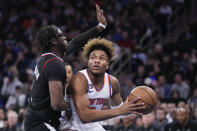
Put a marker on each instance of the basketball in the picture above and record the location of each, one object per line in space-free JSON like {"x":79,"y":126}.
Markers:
{"x":148,"y":97}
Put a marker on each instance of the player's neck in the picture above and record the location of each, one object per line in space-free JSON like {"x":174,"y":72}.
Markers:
{"x":96,"y":78}
{"x":58,"y":53}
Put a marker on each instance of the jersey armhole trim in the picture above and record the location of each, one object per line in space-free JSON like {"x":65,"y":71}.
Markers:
{"x":48,"y":62}
{"x":110,"y":88}
{"x":85,"y":78}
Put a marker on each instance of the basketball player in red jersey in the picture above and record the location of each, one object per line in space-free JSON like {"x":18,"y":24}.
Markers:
{"x":47,"y":99}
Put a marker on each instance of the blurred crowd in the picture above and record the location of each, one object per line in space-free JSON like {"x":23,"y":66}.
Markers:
{"x":169,"y":68}
{"x":166,"y":117}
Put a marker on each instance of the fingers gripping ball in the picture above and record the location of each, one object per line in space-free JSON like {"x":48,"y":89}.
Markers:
{"x":148,"y":97}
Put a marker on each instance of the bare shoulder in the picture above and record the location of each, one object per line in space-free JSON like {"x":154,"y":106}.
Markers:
{"x":78,"y":77}
{"x":113,"y":79}
{"x":78,"y":83}
{"x":115,"y":83}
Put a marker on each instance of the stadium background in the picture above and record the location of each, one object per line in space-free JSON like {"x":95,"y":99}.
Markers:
{"x":156,"y":45}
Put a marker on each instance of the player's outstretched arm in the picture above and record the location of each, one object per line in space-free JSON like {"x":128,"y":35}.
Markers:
{"x":82,"y":39}
{"x":79,"y":87}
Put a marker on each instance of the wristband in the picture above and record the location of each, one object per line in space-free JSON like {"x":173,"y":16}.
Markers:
{"x":118,"y":106}
{"x":102,"y":25}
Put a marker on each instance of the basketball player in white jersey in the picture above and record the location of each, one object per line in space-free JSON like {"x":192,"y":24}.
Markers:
{"x":90,"y":88}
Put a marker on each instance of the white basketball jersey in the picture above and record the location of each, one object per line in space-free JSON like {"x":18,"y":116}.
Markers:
{"x":97,"y":98}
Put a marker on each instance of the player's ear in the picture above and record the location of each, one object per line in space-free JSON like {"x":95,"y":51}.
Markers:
{"x":54,"y":42}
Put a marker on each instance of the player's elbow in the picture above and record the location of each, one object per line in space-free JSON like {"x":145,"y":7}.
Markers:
{"x":84,"y":120}
{"x":84,"y":117}
{"x":55,"y":106}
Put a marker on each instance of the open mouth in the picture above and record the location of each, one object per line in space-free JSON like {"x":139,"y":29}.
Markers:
{"x":96,"y":67}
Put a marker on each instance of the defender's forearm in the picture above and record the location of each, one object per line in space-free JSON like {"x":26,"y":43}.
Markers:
{"x":82,"y":39}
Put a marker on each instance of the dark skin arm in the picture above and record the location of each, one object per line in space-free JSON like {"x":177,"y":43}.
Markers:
{"x":79,"y":87}
{"x":57,"y":99}
{"x":81,"y":39}
{"x":115,"y":98}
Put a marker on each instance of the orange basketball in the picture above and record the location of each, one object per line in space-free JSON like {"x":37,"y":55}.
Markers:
{"x":148,"y":97}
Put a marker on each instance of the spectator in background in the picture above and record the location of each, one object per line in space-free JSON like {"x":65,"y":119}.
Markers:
{"x":127,"y":88}
{"x":12,"y":121}
{"x":139,"y":55}
{"x":27,"y":86}
{"x":2,"y":119}
{"x":8,"y":59}
{"x":165,"y":65}
{"x":140,"y":76}
{"x":184,"y":64}
{"x":126,"y":41}
{"x":161,"y":120}
{"x":17,"y":100}
{"x":10,"y":83}
{"x":181,"y":86}
{"x":193,"y":100}
{"x":2,"y":56}
{"x":139,"y":124}
{"x":164,"y":87}
{"x":183,"y":122}
{"x":156,"y":72}
{"x":190,"y":76}
{"x":165,"y":9}
{"x":193,"y":85}
{"x":164,"y":106}
{"x":171,"y":108}
{"x":195,"y":115}
{"x":181,"y":104}
{"x":158,"y":48}
{"x":127,"y":124}
{"x":175,"y":94}
{"x":118,"y":34}
{"x":148,"y":122}
{"x":193,"y":58}
{"x":21,"y":62}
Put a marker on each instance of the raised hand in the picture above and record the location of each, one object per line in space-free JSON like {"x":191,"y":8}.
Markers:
{"x":100,"y":17}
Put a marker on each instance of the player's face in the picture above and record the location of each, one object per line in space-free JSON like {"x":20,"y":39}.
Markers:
{"x":98,"y":62}
{"x":69,"y":72}
{"x":62,"y":42}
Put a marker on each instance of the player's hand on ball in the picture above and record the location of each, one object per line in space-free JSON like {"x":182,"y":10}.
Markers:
{"x":132,"y":107}
{"x":100,"y":17}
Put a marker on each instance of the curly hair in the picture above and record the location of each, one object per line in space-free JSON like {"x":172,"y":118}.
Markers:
{"x":44,"y":36}
{"x":99,"y":44}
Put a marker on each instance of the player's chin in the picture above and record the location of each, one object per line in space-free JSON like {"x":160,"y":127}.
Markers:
{"x":96,"y":71}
